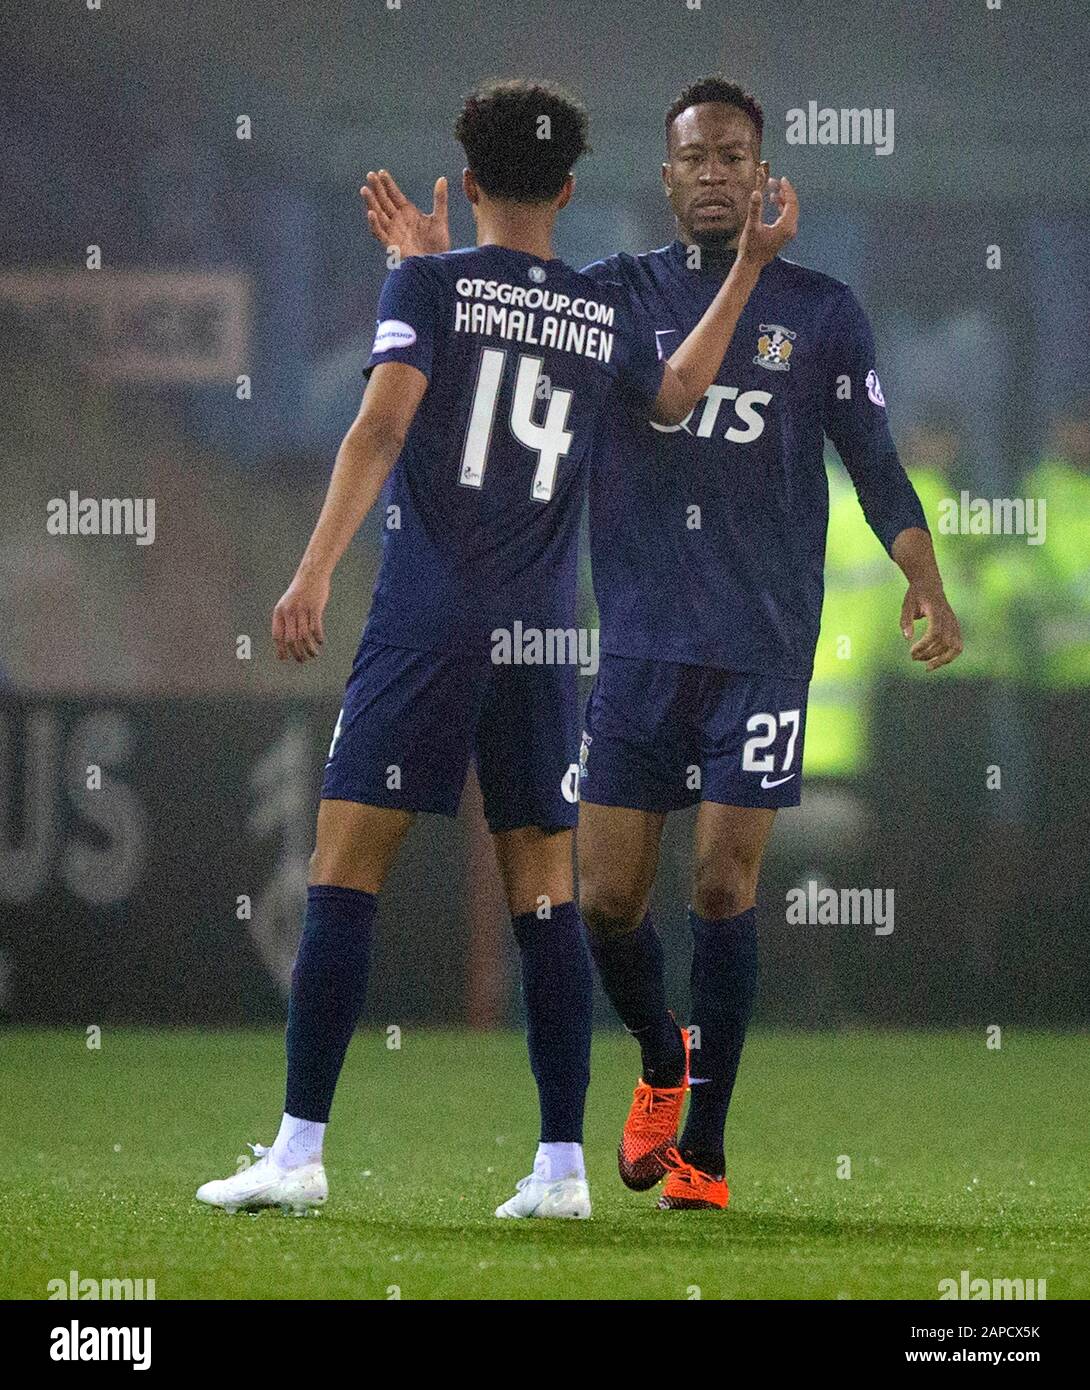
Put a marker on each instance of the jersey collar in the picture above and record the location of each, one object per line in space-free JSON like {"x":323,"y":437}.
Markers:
{"x":716,"y":263}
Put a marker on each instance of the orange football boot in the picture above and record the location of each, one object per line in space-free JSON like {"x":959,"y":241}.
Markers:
{"x":688,"y":1189}
{"x":651,"y":1129}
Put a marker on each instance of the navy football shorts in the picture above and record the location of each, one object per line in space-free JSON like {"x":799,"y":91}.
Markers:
{"x":411,"y":721}
{"x":660,"y":735}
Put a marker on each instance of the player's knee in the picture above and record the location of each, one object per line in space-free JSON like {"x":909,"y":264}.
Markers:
{"x":323,"y":866}
{"x":331,"y":865}
{"x":725,"y":886}
{"x":609,"y":911}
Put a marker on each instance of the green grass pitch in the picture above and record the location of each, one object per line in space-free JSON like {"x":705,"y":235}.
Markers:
{"x":961,"y":1158}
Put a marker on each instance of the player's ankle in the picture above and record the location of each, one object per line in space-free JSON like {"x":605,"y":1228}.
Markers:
{"x":298,"y":1143}
{"x":710,"y":1161}
{"x":556,"y":1161}
{"x":662,"y":1057}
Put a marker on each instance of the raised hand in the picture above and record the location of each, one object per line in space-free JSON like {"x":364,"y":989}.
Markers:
{"x":762,"y":241}
{"x":398,"y":223}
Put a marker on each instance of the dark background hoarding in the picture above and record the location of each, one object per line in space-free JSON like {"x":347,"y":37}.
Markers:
{"x":171,"y":893}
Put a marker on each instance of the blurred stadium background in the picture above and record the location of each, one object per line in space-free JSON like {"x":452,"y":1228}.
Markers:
{"x":227,"y":257}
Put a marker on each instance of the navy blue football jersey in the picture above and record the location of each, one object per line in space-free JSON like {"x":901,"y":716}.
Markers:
{"x":482,"y":508}
{"x":708,"y":538}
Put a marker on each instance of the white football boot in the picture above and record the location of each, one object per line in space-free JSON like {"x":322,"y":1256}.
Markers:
{"x":265,"y":1184}
{"x":563,"y":1197}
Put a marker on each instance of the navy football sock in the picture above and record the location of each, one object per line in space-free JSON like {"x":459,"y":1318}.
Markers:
{"x":558,"y":986}
{"x":724,"y":985}
{"x":631,"y":968}
{"x":328,"y":989}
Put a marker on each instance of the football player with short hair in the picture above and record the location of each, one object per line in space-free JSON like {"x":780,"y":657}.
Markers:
{"x":707,"y":549}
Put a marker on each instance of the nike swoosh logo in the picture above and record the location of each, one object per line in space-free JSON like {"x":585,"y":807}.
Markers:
{"x":767,"y":785}
{"x":699,"y":1080}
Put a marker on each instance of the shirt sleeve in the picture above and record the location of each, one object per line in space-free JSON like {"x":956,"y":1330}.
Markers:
{"x":855,"y":420}
{"x":407,"y":314}
{"x":641,"y":368}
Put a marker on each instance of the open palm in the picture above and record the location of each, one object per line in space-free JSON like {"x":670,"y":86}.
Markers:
{"x":761,"y":241}
{"x":398,"y":223}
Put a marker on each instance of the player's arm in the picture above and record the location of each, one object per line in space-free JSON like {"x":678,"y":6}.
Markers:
{"x":367,"y":454}
{"x":856,"y":422}
{"x":695,"y":365}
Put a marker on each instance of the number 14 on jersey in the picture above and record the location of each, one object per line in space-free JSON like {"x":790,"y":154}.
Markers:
{"x":549,"y":441}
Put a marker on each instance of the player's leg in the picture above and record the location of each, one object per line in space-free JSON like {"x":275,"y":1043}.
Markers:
{"x":354,"y":850}
{"x":635,"y":760}
{"x":355,"y":846}
{"x":618,"y":859}
{"x":538,"y":879}
{"x":729,"y":843}
{"x":753,"y":731}
{"x":400,"y":746}
{"x":557,"y":988}
{"x":526,"y":745}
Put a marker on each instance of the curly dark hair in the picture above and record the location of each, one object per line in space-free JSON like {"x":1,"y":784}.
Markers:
{"x":716,"y":88}
{"x":522,"y":138}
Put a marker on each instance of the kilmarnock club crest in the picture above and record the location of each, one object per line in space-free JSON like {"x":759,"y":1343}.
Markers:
{"x":774,"y":347}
